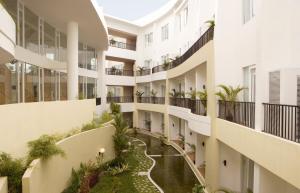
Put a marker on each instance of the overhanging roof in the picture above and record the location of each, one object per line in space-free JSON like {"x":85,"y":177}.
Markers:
{"x":92,"y":26}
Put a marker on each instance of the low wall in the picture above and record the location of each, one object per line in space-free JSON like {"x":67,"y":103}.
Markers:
{"x":3,"y":185}
{"x":28,"y":121}
{"x":52,"y":176}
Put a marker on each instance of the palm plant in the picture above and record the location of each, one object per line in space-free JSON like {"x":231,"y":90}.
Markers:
{"x":203,"y":98}
{"x":153,"y":93}
{"x":140,"y":69}
{"x":166,"y":64}
{"x":120,"y":138}
{"x":139,"y":94}
{"x":115,"y":108}
{"x":229,"y":95}
{"x":192,"y":94}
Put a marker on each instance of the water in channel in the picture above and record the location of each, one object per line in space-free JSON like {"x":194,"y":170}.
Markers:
{"x":171,"y":172}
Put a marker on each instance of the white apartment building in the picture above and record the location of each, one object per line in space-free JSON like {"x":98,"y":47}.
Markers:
{"x":154,"y":67}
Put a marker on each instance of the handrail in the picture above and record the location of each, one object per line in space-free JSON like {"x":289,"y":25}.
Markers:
{"x":239,"y":112}
{"x":122,"y":45}
{"x":143,"y":72}
{"x":120,"y":99}
{"x":282,"y":121}
{"x":196,"y":106}
{"x":153,"y":100}
{"x":203,"y":40}
{"x":118,"y":72}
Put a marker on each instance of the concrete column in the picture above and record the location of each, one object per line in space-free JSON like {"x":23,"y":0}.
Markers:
{"x":101,"y":83}
{"x":72,"y":60}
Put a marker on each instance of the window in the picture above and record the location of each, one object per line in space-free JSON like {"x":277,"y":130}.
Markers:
{"x":9,"y":87}
{"x":298,"y":90}
{"x":50,"y":85}
{"x":248,"y":10}
{"x":249,"y":83}
{"x":185,"y":15}
{"x":274,"y":87}
{"x":32,"y":82}
{"x":147,"y":64}
{"x":165,"y":32}
{"x":179,"y":22}
{"x":63,"y":86}
{"x":247,"y":174}
{"x":148,"y":39}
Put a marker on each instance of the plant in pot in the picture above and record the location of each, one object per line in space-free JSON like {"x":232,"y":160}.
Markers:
{"x":153,"y":96}
{"x":112,"y":41}
{"x":192,"y":146}
{"x":198,"y":188}
{"x":166,"y":64}
{"x":203,"y":98}
{"x":229,"y":95}
{"x":140,"y":69}
{"x":113,"y":70}
{"x":139,"y":95}
{"x":192,"y":94}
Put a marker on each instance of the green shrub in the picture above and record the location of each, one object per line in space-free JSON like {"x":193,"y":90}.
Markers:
{"x":115,"y":108}
{"x":89,"y":126}
{"x":43,"y":148}
{"x":75,"y":181}
{"x":14,"y":170}
{"x":198,"y":188}
{"x":118,"y":169}
{"x":120,"y":138}
{"x":104,"y":118}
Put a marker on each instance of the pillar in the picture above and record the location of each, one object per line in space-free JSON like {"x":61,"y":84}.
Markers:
{"x":72,"y":60}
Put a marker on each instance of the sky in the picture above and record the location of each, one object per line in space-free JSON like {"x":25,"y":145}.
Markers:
{"x":130,"y":9}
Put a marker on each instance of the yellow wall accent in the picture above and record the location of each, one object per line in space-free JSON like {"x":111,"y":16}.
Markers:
{"x":3,"y":185}
{"x":28,"y":121}
{"x":52,"y":176}
{"x":282,"y":155}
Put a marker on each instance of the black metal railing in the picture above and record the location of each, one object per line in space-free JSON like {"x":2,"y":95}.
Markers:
{"x":197,"y":106}
{"x":242,"y":113}
{"x":153,"y":100}
{"x":159,"y":68}
{"x":204,"y":39}
{"x":98,"y":101}
{"x":120,"y":99}
{"x":282,"y":121}
{"x":118,"y":72}
{"x":143,"y":72}
{"x":122,"y":45}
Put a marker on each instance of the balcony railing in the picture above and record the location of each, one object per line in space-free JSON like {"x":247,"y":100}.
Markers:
{"x":242,"y":113}
{"x":197,"y":106}
{"x":118,"y":72}
{"x":143,"y":72}
{"x":282,"y":121}
{"x":204,"y":39}
{"x":153,"y":100}
{"x":122,"y":45}
{"x":120,"y":99}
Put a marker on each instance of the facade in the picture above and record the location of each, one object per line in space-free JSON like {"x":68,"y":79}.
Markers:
{"x":57,"y":70}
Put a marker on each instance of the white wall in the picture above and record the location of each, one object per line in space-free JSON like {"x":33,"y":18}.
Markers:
{"x":230,"y":175}
{"x":28,"y":121}
{"x":3,"y":185}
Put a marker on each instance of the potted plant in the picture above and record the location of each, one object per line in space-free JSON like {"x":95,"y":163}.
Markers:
{"x":166,"y":64}
{"x":229,"y":95}
{"x":141,"y":70}
{"x":192,"y":146}
{"x":139,"y":95}
{"x":203,"y":98}
{"x":198,"y":188}
{"x":192,"y":94}
{"x":112,"y":41}
{"x":153,"y":96}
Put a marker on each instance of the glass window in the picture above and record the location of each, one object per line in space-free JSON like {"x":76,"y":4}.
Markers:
{"x":31,"y":31}
{"x":165,"y":32}
{"x":91,"y":58}
{"x":63,"y":47}
{"x":20,"y":25}
{"x":248,"y":10}
{"x":148,"y":39}
{"x":9,"y":83}
{"x":91,"y":87}
{"x":31,"y":83}
{"x":81,"y":87}
{"x":81,"y":56}
{"x":63,"y":86}
{"x":49,"y":41}
{"x":185,"y":15}
{"x":50,"y":86}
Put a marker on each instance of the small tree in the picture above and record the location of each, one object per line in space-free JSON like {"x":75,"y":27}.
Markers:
{"x":203,"y":98}
{"x":120,"y":138}
{"x":115,"y":108}
{"x":139,"y":94}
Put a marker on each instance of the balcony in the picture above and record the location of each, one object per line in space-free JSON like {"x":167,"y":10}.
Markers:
{"x":120,"y":99}
{"x":204,"y":39}
{"x":143,"y":72}
{"x":196,"y":106}
{"x":118,"y":72}
{"x":242,"y":113}
{"x":151,"y":100}
{"x":282,"y":121}
{"x":122,"y":45}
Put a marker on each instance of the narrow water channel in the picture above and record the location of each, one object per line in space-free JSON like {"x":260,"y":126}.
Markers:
{"x":171,"y":172}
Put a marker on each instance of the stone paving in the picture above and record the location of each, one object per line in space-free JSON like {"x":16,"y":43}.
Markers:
{"x":141,"y":180}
